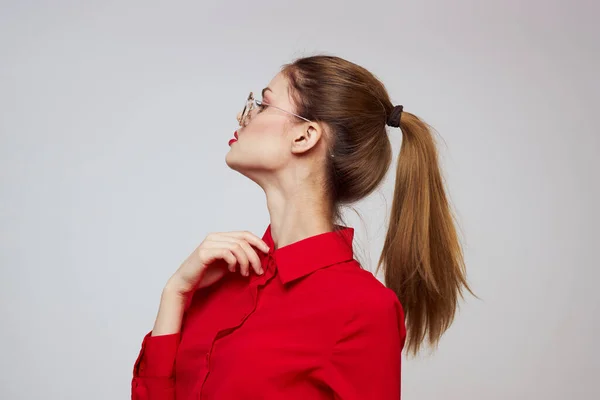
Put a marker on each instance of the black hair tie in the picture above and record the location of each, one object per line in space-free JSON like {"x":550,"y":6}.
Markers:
{"x":394,"y":118}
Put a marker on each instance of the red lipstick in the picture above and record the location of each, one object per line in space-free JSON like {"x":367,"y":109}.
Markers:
{"x":235,"y":134}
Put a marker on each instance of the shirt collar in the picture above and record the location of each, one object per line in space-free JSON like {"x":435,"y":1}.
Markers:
{"x":305,"y":256}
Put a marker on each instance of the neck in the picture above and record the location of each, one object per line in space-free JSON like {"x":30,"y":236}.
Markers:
{"x":296,"y":214}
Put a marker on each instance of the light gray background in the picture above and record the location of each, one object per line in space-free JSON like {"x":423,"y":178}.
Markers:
{"x":114,"y":122}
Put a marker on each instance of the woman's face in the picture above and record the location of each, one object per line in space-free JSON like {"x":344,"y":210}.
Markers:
{"x":266,"y":142}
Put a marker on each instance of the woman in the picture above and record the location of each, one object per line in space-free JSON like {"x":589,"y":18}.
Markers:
{"x":292,"y":315}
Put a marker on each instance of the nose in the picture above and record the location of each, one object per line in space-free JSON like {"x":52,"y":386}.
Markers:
{"x":239,"y":117}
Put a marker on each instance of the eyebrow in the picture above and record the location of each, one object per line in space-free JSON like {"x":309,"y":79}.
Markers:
{"x":265,"y":90}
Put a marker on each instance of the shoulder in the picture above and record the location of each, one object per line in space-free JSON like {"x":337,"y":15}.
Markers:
{"x":350,"y":279}
{"x":363,"y":306}
{"x":358,"y":291}
{"x":349,"y":301}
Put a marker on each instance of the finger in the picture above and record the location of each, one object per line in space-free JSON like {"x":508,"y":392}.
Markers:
{"x":250,"y":238}
{"x":230,"y":259}
{"x":240,"y":255}
{"x":251,"y":254}
{"x":211,"y":253}
{"x":236,"y":250}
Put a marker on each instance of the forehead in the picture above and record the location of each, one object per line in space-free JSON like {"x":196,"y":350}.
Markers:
{"x":279,"y":88}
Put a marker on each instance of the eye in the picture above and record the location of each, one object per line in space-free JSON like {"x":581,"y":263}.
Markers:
{"x":261,"y":106}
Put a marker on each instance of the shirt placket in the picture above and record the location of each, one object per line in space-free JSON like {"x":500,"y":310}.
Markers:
{"x":255,"y":285}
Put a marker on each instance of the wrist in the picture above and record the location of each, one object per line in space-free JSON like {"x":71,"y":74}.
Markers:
{"x":170,"y":312}
{"x":173,"y":292}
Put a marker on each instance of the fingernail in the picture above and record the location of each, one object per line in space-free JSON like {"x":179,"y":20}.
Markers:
{"x":260,"y":271}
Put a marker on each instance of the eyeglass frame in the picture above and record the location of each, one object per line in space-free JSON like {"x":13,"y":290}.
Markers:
{"x":251,"y":102}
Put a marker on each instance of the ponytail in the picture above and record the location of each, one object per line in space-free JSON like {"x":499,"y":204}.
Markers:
{"x":422,"y":257}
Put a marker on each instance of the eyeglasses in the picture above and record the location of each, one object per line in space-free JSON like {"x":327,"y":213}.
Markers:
{"x":251,"y":103}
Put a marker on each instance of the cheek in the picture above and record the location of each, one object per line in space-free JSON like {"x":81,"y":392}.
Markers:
{"x":262,"y":146}
{"x":268,"y":148}
{"x":266,"y":137}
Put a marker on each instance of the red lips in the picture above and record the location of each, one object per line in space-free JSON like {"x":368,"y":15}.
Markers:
{"x":235,"y":134}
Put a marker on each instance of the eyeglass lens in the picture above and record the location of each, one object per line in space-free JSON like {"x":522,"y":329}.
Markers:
{"x":249,"y":106}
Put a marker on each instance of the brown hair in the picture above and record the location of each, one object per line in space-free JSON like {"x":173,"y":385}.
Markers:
{"x":422,"y":258}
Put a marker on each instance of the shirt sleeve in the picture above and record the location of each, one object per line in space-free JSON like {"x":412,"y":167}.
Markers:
{"x":366,"y":360}
{"x":154,"y":369}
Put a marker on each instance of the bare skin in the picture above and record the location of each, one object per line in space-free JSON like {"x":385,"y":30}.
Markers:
{"x":207,"y":264}
{"x":285,"y":156}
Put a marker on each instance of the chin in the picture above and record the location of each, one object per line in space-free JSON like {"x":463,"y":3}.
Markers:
{"x":230,"y":160}
{"x":234,"y":162}
{"x":250,"y":170}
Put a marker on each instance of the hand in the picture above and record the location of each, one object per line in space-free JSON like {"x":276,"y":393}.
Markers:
{"x":211,"y":259}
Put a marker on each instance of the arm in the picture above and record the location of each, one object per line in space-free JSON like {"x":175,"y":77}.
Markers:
{"x":153,"y":373}
{"x":365,"y":361}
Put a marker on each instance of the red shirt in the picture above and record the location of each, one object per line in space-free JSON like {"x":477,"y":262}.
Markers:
{"x":315,"y":325}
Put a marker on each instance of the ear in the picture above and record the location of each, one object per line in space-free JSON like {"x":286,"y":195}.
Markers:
{"x":307,"y":136}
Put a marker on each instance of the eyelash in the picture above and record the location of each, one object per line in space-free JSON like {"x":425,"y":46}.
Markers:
{"x":261,"y":107}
